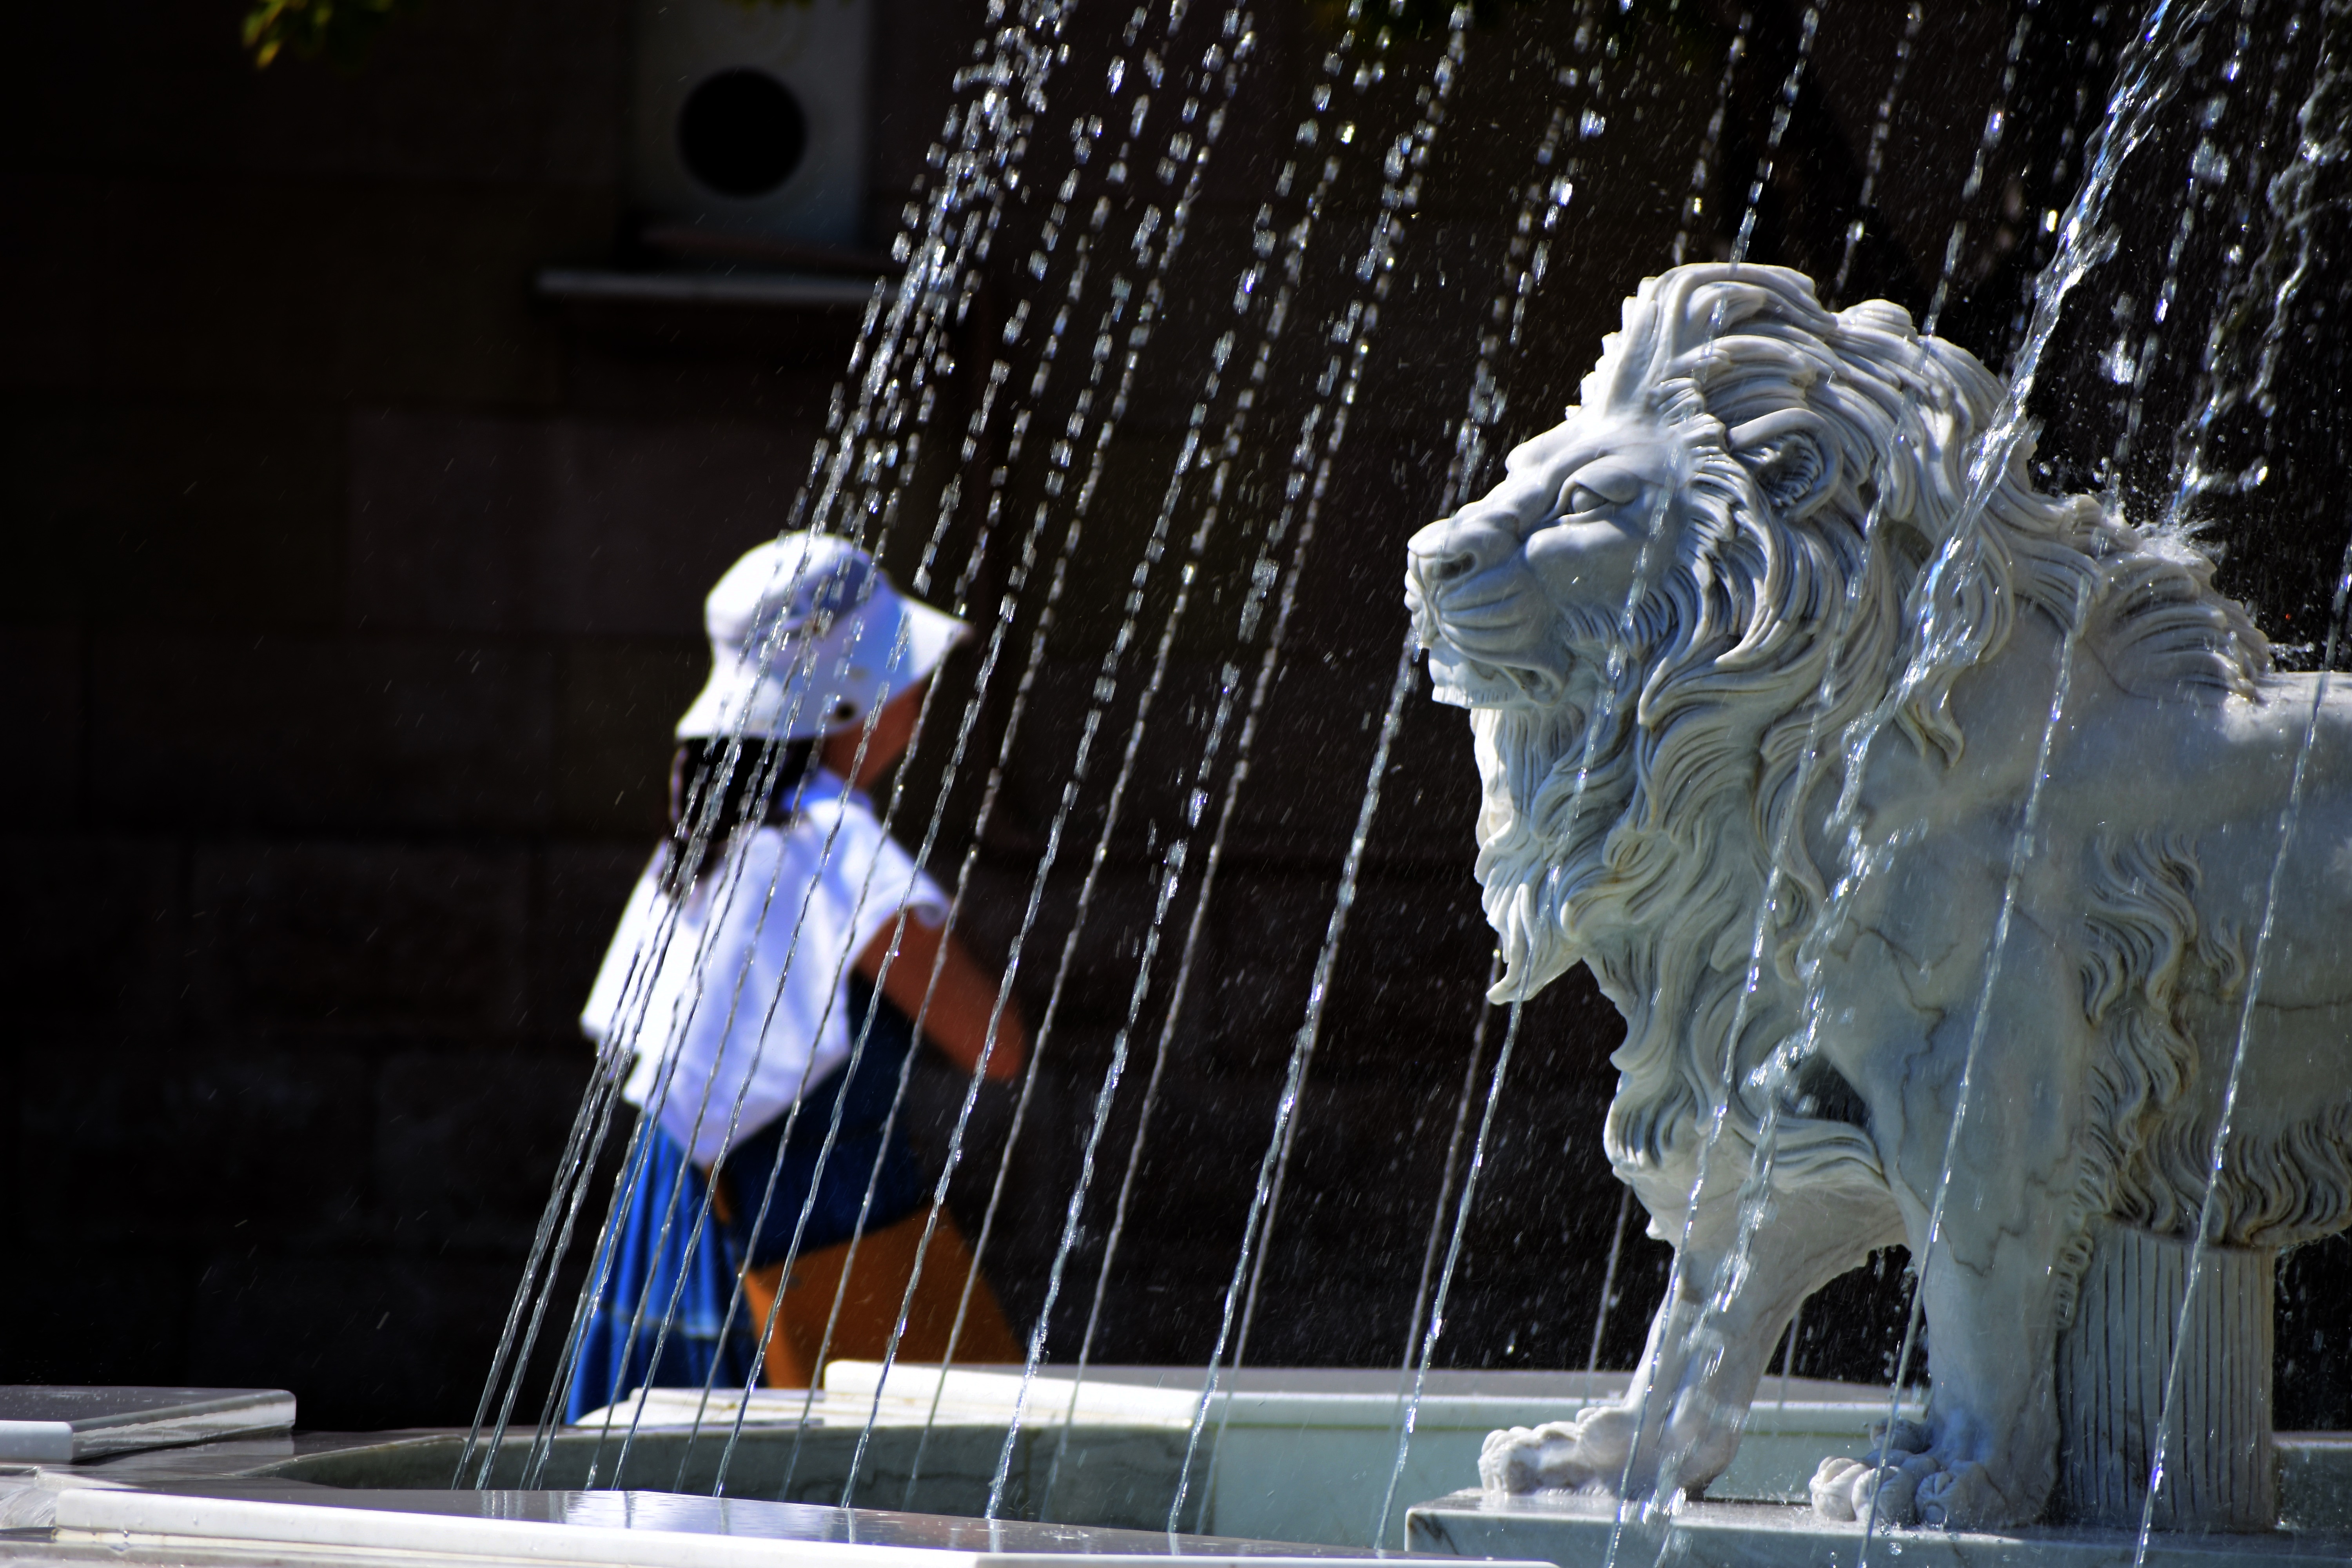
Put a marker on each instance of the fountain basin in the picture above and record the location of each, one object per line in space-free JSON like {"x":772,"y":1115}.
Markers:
{"x":1305,"y":1464}
{"x":1305,"y":1453}
{"x":1573,"y":1531}
{"x":625,"y":1529}
{"x":1300,"y":1454}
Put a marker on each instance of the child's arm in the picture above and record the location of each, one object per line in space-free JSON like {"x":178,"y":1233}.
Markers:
{"x":958,"y":1021}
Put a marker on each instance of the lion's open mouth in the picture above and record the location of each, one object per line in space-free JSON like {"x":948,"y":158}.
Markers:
{"x":1481,"y":653}
{"x":1464,"y":680}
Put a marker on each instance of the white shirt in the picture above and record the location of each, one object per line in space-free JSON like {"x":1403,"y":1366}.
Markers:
{"x":750,"y":994}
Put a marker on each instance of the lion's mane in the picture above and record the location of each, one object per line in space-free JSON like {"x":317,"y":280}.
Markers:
{"x":1636,"y":831}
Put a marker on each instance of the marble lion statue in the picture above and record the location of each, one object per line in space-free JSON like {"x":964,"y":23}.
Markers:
{"x":1745,"y":568}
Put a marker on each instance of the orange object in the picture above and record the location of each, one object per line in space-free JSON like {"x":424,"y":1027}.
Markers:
{"x":877,"y":1285}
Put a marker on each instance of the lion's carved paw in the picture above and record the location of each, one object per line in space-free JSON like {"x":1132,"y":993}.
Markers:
{"x":1888,"y":1486}
{"x":1558,"y":1456}
{"x":1845,"y":1489}
{"x":1960,"y":1497}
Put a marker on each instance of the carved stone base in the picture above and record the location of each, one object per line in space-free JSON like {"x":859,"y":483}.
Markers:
{"x":2220,"y":1472}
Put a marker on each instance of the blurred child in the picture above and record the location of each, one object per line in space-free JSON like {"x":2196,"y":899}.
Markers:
{"x":743,"y":974}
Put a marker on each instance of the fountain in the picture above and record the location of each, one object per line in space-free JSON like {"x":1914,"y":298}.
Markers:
{"x":1998,"y":955}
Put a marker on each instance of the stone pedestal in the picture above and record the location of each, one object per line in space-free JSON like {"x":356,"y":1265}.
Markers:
{"x":1578,"y":1531}
{"x":2220,"y":1472}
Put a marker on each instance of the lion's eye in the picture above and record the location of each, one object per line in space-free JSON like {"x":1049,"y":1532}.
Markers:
{"x":1582,"y":498}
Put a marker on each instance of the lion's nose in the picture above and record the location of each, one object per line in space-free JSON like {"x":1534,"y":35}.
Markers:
{"x":1459,"y":547}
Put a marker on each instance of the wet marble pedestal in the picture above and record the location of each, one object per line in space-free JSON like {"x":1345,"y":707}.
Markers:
{"x":1574,"y":1531}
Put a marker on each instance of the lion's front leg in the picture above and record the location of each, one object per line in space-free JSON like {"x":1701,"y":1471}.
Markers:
{"x":1987,"y":1454}
{"x":1599,"y":1449}
{"x":1678,"y":1425}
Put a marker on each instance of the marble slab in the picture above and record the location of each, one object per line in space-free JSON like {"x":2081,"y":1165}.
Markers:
{"x":52,"y":1424}
{"x":623,"y":1530}
{"x":1573,"y":1531}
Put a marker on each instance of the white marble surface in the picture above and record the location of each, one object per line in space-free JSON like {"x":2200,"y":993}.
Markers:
{"x":624,"y":1530}
{"x":1307,"y":1455}
{"x":56,"y":1424}
{"x":1308,"y":1452}
{"x":1574,"y":1532}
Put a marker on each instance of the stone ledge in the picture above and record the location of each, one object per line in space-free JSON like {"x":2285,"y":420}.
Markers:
{"x":1574,"y":1531}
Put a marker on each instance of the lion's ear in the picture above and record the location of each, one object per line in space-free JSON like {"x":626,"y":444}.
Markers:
{"x":1790,"y":465}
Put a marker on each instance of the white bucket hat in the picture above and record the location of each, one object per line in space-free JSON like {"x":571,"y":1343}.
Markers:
{"x":807,"y":635}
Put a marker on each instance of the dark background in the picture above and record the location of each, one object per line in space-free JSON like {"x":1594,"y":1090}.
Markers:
{"x":352,"y":589}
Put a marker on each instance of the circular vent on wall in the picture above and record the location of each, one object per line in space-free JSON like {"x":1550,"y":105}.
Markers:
{"x":742,"y":132}
{"x":751,"y":119}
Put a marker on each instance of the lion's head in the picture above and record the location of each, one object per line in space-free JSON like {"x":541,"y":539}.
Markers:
{"x":1741,"y":541}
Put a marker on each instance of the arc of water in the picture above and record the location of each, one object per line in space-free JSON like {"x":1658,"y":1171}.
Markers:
{"x":1524,"y":262}
{"x":1875,"y":160}
{"x":1400,"y":196}
{"x":1059,"y":459}
{"x":894,"y":409}
{"x":1178,"y":849}
{"x":922,"y":285}
{"x":1262,"y":578}
{"x":549,"y":1242}
{"x":1301,"y":1053}
{"x":552,"y":1237}
{"x":1703,"y":166}
{"x":2142,"y":86}
{"x":1609,"y":1279}
{"x":1445,"y":1278}
{"x":1111,"y":814}
{"x":1345,"y":371}
{"x":2291,"y":200}
{"x":1462,"y":1101}
{"x":1263,"y":573}
{"x":1221,"y":58}
{"x":634,"y":1015}
{"x":1236,"y":28}
{"x":735,"y":1113}
{"x":995,"y":383}
{"x":1259,"y":580}
{"x":2288,"y":820}
{"x":1987,"y":140}
{"x":1172,"y":875}
{"x":1174,"y":865}
{"x":1195,"y":802}
{"x":2288,"y":197}
{"x":1782,"y":113}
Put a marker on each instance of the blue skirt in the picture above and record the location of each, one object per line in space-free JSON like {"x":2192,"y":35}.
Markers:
{"x":664,"y":1248}
{"x":668,"y":1246}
